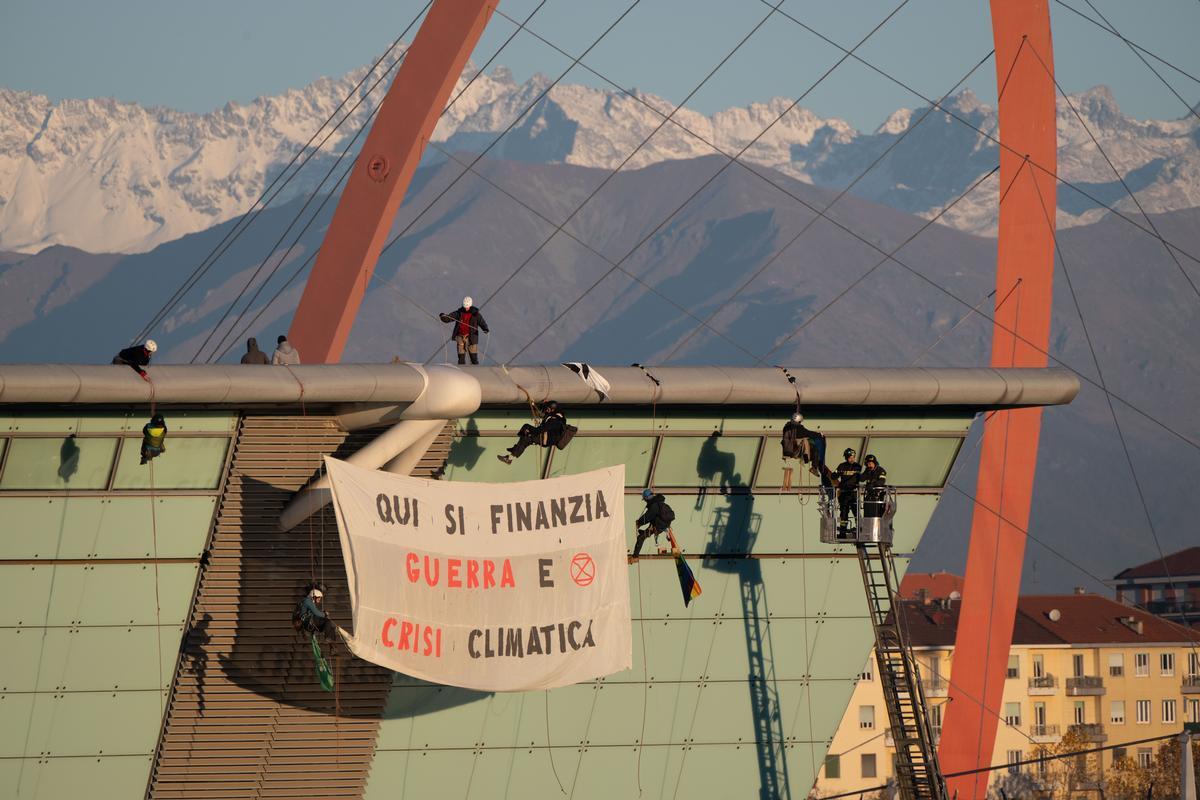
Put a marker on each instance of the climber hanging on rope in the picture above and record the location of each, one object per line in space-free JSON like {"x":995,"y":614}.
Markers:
{"x":137,"y":356}
{"x":468,"y":322}
{"x":656,"y":520}
{"x":309,"y":616}
{"x":806,"y":445}
{"x":551,"y":431}
{"x":310,"y":619}
{"x":154,"y":438}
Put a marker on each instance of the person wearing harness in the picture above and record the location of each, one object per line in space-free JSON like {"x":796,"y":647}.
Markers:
{"x":154,"y":436}
{"x":799,"y":442}
{"x":656,"y":519}
{"x":137,"y":357}
{"x":873,"y":479}
{"x":309,"y":616}
{"x":548,"y":433}
{"x":848,"y":473}
{"x":468,"y":322}
{"x":253,"y":355}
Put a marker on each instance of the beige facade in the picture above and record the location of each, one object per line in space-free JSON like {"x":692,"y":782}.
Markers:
{"x":1108,"y":693}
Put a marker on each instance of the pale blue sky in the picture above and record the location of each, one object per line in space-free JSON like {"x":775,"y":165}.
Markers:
{"x":196,"y":56}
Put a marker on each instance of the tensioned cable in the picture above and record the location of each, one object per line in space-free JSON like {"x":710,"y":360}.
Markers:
{"x":1132,"y":44}
{"x":364,"y":127}
{"x":248,"y":217}
{"x":822,"y":215}
{"x":1112,"y":409}
{"x":989,"y":136}
{"x":891,"y":256}
{"x":1050,"y":73}
{"x":732,"y":160}
{"x":633,"y":95}
{"x":1112,"y":28}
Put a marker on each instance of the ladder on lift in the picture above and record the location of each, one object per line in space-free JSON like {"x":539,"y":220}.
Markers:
{"x":918,"y":776}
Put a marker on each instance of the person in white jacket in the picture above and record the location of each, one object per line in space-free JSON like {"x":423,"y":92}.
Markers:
{"x":285,"y":354}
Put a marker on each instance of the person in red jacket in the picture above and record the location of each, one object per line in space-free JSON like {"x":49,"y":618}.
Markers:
{"x":467,"y":322}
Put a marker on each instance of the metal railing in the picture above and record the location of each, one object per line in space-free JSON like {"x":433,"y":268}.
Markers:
{"x":1043,"y":682}
{"x":1085,"y":684}
{"x":1092,"y":731}
{"x":1044,"y":731}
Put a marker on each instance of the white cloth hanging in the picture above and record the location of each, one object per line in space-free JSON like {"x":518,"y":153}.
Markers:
{"x":589,"y":376}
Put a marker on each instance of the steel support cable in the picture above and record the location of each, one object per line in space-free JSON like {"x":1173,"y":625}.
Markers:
{"x":1132,"y":44}
{"x":249,"y":216}
{"x":732,"y":160}
{"x":990,"y":137}
{"x":362,"y":129}
{"x":779,"y":253}
{"x":1050,"y":73}
{"x":966,"y":317}
{"x":516,"y":119}
{"x":366,"y":124}
{"x":887,"y":256}
{"x":1087,"y":336}
{"x":859,"y":793}
{"x":613,"y":172}
{"x":391,"y":284}
{"x":1112,"y":28}
{"x":634,"y":96}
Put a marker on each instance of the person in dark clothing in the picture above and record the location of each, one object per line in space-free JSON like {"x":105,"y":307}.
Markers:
{"x":546,"y":434}
{"x":873,"y":480}
{"x":799,"y":442}
{"x":137,"y":357}
{"x":309,"y":616}
{"x":848,"y":473}
{"x":253,"y":354}
{"x":468,"y":322}
{"x":154,"y":438}
{"x":656,"y":519}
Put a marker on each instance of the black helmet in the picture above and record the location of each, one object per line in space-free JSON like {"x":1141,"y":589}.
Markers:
{"x":550,"y":406}
{"x":849,"y":451}
{"x":157,"y":419}
{"x":871,"y":459}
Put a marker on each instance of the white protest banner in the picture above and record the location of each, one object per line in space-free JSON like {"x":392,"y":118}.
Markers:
{"x":491,"y":586}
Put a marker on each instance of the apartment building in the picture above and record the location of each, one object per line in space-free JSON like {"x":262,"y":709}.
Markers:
{"x":1168,"y":587}
{"x":1078,"y":662}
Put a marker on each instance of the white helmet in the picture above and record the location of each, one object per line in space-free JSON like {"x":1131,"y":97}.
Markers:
{"x":151,"y":345}
{"x":317,"y":594}
{"x":797,"y":417}
{"x":468,"y":302}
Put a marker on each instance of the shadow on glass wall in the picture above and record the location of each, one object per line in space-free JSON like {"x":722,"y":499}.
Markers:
{"x":464,"y":450}
{"x":730,"y":546}
{"x":68,"y":459}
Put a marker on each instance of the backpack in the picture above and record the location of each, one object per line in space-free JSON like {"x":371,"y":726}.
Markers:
{"x":667,"y":515}
{"x":568,"y":434}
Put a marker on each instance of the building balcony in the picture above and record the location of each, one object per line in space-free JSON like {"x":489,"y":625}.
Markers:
{"x":1087,"y":685}
{"x":1085,"y":783}
{"x":1090,"y":731}
{"x":1191,"y":684}
{"x":1043,"y":685}
{"x":1045,"y":734}
{"x":936,"y":687}
{"x":1173,"y":608}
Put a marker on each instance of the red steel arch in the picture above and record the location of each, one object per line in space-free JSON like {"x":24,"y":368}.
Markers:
{"x":1021,"y":336}
{"x":406,"y":119}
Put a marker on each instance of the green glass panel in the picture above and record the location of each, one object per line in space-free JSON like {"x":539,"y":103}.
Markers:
{"x":87,"y":659}
{"x":104,"y":526}
{"x":770,"y":474}
{"x":187,"y":463}
{"x":473,"y":458}
{"x":71,"y":462}
{"x":596,"y":452}
{"x":707,"y":461}
{"x":95,"y":594}
{"x":914,"y":460}
{"x":94,"y":777}
{"x":81,"y":723}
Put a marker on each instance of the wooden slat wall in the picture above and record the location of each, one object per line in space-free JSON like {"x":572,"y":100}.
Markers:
{"x":247,"y":718}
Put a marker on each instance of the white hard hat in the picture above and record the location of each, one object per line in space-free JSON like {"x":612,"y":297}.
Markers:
{"x":468,"y":302}
{"x":797,"y":417}
{"x":317,"y":594}
{"x":151,"y":345}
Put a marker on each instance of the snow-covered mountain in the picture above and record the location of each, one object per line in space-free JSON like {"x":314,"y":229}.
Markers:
{"x":111,"y":176}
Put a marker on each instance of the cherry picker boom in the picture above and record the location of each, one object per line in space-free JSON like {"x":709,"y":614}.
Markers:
{"x":918,"y":776}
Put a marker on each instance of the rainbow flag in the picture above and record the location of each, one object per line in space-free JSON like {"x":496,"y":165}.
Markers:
{"x":687,"y":580}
